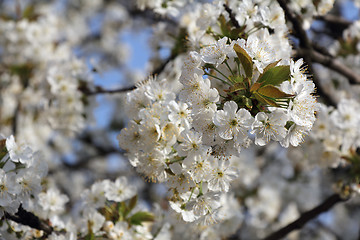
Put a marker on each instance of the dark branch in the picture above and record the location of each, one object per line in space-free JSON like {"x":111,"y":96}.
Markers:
{"x":297,"y":24}
{"x":336,"y":21}
{"x":15,"y":119}
{"x":232,"y":16}
{"x":100,"y":90}
{"x":306,"y":217}
{"x":310,"y":54}
{"x":332,"y":64}
{"x":29,"y":219}
{"x":306,"y":44}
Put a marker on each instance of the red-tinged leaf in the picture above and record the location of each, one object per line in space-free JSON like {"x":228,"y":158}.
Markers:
{"x":265,"y":100}
{"x":245,"y":60}
{"x":255,"y":87}
{"x":2,"y":143}
{"x":273,"y":92}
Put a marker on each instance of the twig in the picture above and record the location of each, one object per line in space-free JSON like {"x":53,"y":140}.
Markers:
{"x":15,"y":119}
{"x":321,"y":49}
{"x":306,"y":217}
{"x":100,"y":90}
{"x":337,"y":21}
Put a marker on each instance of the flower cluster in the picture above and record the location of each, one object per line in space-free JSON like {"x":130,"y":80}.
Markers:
{"x":21,"y":172}
{"x":253,"y":92}
{"x":230,"y":92}
{"x":162,"y":146}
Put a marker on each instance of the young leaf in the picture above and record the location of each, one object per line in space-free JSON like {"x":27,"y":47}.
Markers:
{"x":3,"y":150}
{"x":272,"y":92}
{"x":236,"y":87}
{"x":247,"y":102}
{"x":90,"y":236}
{"x":236,"y":79}
{"x":271,"y":65}
{"x":265,"y":100}
{"x":132,"y":202}
{"x":235,"y":32}
{"x":140,"y":217}
{"x":29,"y":12}
{"x":245,"y":60}
{"x":224,"y":26}
{"x":275,"y":76}
{"x":2,"y":143}
{"x":255,"y":87}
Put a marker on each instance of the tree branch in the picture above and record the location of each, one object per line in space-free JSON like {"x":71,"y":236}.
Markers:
{"x":332,"y":64}
{"x":310,"y":54}
{"x":232,"y":16}
{"x":337,"y":21}
{"x":29,"y":219}
{"x":297,"y":24}
{"x":100,"y":90}
{"x":306,"y":44}
{"x":306,"y":217}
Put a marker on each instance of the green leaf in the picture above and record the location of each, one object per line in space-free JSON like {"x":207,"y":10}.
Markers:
{"x":271,"y":65}
{"x":90,"y":236}
{"x":122,"y":208}
{"x":140,"y":217}
{"x":272,"y":92}
{"x":275,"y":76}
{"x":245,"y":60}
{"x":236,"y":79}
